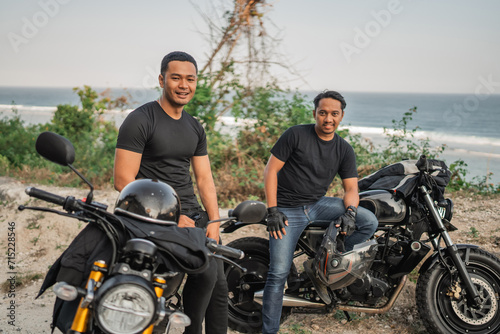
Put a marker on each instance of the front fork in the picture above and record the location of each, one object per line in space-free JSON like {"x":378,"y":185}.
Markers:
{"x":81,"y":319}
{"x":160,"y":284}
{"x":451,"y":248}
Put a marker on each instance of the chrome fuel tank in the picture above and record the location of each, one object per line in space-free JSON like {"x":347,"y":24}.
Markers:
{"x":384,"y":205}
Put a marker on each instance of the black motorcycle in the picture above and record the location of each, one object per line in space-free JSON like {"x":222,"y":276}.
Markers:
{"x":122,"y":274}
{"x":458,"y":288}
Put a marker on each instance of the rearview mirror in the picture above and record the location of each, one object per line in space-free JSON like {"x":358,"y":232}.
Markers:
{"x":55,"y":148}
{"x":250,"y":212}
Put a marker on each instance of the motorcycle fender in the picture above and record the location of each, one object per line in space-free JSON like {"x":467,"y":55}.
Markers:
{"x":231,"y":226}
{"x":434,"y":258}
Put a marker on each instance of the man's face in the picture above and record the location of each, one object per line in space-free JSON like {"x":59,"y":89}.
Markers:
{"x":328,"y":116}
{"x":179,"y":83}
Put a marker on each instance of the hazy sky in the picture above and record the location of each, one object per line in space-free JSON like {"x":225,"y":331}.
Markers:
{"x":396,"y":46}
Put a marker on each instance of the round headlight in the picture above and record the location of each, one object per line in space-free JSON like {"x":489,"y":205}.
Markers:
{"x":125,"y":305}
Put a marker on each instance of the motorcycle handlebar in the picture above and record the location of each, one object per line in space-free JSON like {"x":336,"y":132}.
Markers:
{"x":45,"y":196}
{"x":226,"y":251}
{"x":68,"y":203}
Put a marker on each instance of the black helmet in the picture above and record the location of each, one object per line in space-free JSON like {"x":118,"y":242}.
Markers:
{"x":149,"y":200}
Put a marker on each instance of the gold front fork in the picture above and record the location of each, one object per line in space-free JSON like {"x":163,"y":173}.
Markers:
{"x":80,"y":321}
{"x":159,"y":285}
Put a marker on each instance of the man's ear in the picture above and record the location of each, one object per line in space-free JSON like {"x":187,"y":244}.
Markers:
{"x":314,"y":113}
{"x":161,"y":80}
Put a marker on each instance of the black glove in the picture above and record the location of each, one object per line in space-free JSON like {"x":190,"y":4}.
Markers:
{"x":275,"y":219}
{"x":347,"y":221}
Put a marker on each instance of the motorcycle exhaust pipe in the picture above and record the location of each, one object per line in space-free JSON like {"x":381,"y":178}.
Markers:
{"x":289,"y":301}
{"x":377,"y":310}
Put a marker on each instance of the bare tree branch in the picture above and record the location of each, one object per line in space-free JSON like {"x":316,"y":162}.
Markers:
{"x":237,"y":32}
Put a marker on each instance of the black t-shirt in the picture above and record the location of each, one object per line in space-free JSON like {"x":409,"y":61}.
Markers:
{"x":167,"y":146}
{"x":310,"y":164}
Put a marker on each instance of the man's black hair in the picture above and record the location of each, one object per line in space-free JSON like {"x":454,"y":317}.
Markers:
{"x":176,"y":56}
{"x":329,"y":94}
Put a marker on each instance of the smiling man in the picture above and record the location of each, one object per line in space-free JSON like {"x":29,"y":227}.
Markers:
{"x":303,"y":164}
{"x":159,"y":140}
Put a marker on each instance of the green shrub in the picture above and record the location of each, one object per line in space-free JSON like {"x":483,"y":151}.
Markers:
{"x":237,"y":160}
{"x":403,"y":144}
{"x":93,"y":138}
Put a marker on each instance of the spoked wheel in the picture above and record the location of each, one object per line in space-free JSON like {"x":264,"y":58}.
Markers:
{"x":443,"y":302}
{"x":244,"y":314}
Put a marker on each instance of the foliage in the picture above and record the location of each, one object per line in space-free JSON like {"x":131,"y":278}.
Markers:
{"x":93,"y":138}
{"x":474,"y":233}
{"x":268,"y":112}
{"x":368,"y":158}
{"x":458,"y":173}
{"x":402,"y":141}
{"x":478,"y":184}
{"x":483,"y":186}
{"x":212,"y":99}
{"x":18,"y":141}
{"x":238,"y":155}
{"x":297,"y":329}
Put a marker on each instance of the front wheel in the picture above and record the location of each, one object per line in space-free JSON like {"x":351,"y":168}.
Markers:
{"x":442,"y":300}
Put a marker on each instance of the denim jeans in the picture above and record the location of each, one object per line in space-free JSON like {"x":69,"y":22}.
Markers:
{"x":281,"y":250}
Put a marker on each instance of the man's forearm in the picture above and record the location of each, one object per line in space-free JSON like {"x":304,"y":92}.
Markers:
{"x":271,"y":188}
{"x":208,"y":196}
{"x":351,"y":198}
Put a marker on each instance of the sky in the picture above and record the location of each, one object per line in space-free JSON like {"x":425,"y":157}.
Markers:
{"x":375,"y":46}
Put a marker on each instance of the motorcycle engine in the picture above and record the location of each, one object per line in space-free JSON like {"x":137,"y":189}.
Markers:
{"x":368,"y":289}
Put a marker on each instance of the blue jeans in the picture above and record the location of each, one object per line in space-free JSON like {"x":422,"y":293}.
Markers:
{"x":281,"y":250}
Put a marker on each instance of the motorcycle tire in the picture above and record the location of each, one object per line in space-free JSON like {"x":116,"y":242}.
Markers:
{"x":440,"y":309}
{"x":244,"y":314}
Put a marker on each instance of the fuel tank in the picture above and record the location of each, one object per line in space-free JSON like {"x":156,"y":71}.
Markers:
{"x":386,"y":207}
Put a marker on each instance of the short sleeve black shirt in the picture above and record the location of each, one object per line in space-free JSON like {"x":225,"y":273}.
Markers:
{"x":167,"y":146}
{"x":310,"y":165}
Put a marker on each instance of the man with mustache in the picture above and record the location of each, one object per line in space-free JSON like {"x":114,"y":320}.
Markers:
{"x":303,"y":163}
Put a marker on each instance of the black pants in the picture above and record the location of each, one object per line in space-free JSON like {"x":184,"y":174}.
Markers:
{"x":205,"y":297}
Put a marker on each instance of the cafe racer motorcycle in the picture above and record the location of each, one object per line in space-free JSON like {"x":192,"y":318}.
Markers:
{"x":123,"y":271}
{"x":458,"y":287}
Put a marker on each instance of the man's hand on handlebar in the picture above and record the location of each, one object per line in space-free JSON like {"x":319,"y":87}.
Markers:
{"x":276,"y":221}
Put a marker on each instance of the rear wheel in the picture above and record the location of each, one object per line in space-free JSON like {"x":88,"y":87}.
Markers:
{"x":244,"y":314}
{"x":442,"y":300}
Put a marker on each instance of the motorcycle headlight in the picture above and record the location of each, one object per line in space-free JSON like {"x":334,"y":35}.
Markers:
{"x":125,"y":305}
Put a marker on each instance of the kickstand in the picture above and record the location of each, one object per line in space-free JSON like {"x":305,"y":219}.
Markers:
{"x":349,"y":319}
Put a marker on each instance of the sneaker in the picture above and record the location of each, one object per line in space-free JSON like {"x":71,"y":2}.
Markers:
{"x":321,"y":289}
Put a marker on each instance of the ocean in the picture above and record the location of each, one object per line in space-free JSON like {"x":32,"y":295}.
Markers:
{"x":468,"y":124}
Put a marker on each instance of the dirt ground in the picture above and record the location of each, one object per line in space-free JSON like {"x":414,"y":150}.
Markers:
{"x":41,"y":237}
